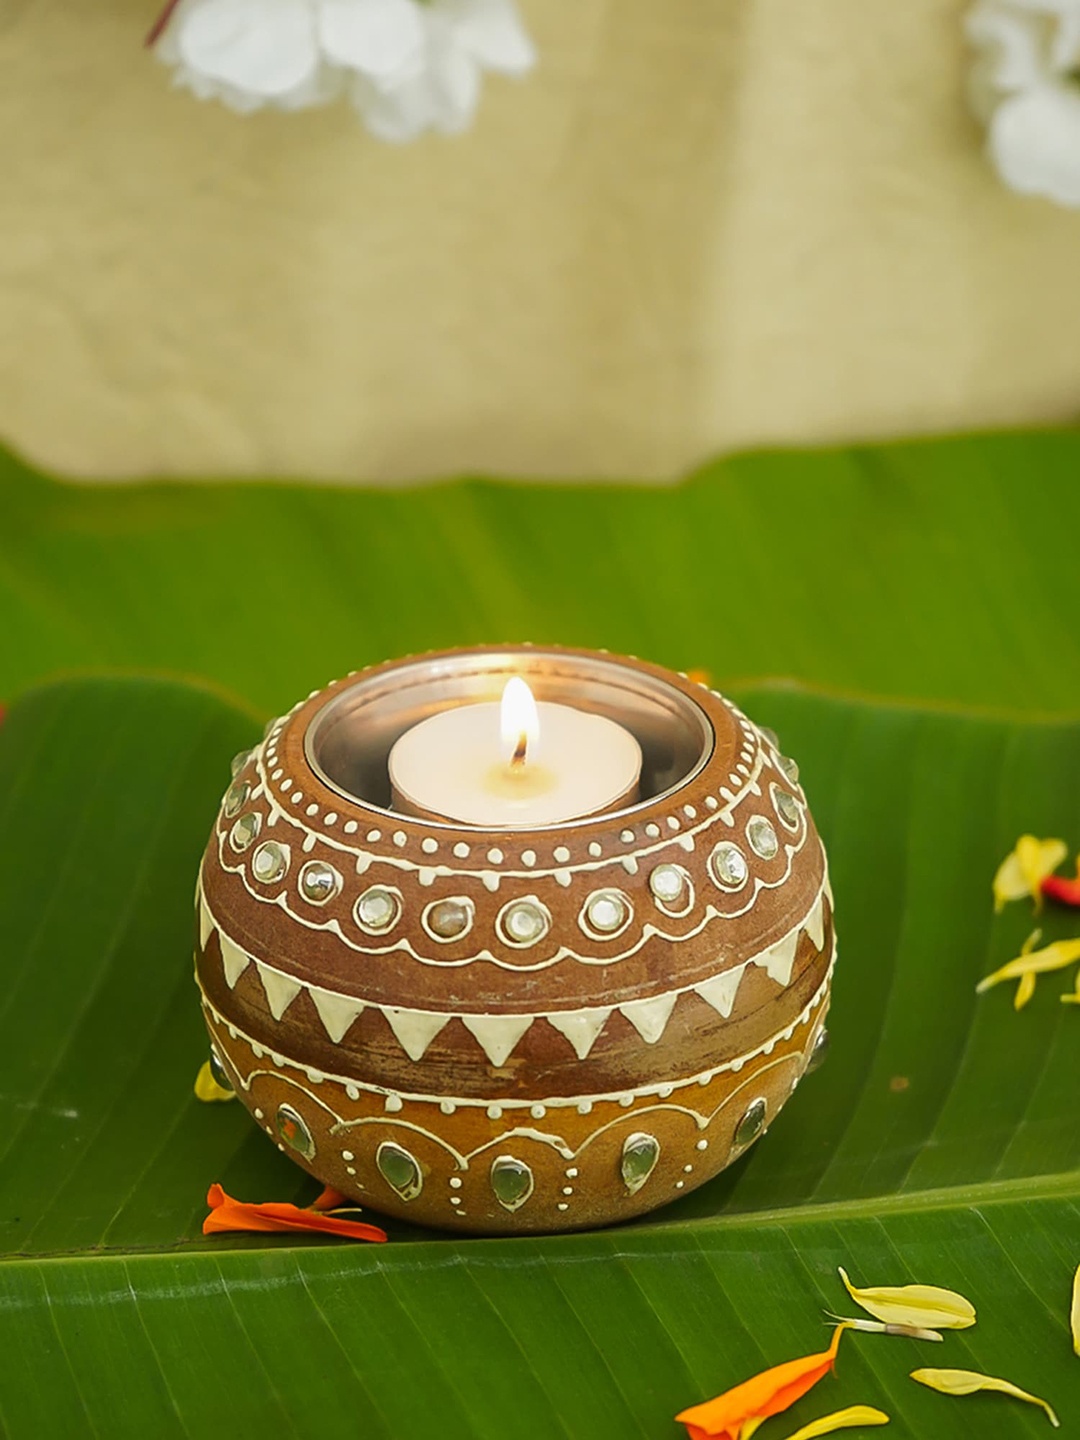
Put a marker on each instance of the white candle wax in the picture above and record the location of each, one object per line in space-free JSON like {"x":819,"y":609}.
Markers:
{"x":457,"y":765}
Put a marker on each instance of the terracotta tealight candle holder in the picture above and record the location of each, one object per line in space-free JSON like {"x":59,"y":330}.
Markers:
{"x":527,"y":1027}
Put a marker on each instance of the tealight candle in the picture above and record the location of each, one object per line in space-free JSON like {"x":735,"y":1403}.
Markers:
{"x":515,"y":763}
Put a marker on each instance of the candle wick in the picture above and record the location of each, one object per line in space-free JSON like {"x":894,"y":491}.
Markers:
{"x":518,"y":757}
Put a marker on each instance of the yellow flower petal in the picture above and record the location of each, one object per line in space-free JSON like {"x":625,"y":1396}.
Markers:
{"x":922,"y":1306}
{"x":1074,"y":1314}
{"x":207,"y":1088}
{"x":1022,"y":872}
{"x":1033,"y":962}
{"x":1024,"y":990}
{"x":1009,"y":883}
{"x":841,"y":1420}
{"x":1039,"y":858}
{"x":968,"y":1382}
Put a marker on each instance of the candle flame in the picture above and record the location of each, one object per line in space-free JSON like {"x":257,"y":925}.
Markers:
{"x":519,"y":721}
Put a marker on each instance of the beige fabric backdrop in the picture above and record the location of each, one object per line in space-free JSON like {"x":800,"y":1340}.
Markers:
{"x":703,"y":224}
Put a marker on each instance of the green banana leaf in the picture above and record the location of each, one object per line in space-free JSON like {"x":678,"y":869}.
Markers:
{"x":941,"y":570}
{"x":939,"y":1143}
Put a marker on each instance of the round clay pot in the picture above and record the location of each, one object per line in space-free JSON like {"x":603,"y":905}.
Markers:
{"x":527,"y":1030}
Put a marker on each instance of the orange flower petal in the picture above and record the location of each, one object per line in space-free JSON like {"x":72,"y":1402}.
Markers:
{"x":228,"y":1215}
{"x":759,"y":1397}
{"x":1065,"y":892}
{"x":330,"y":1199}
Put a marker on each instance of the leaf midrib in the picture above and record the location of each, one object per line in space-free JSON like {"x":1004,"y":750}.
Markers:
{"x":873,"y":1207}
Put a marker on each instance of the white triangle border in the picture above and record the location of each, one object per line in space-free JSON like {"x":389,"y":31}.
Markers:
{"x":498,"y":1035}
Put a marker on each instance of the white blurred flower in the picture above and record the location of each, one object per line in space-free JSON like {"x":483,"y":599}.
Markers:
{"x":441,"y":87}
{"x":1024,"y":85}
{"x":407,"y":65}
